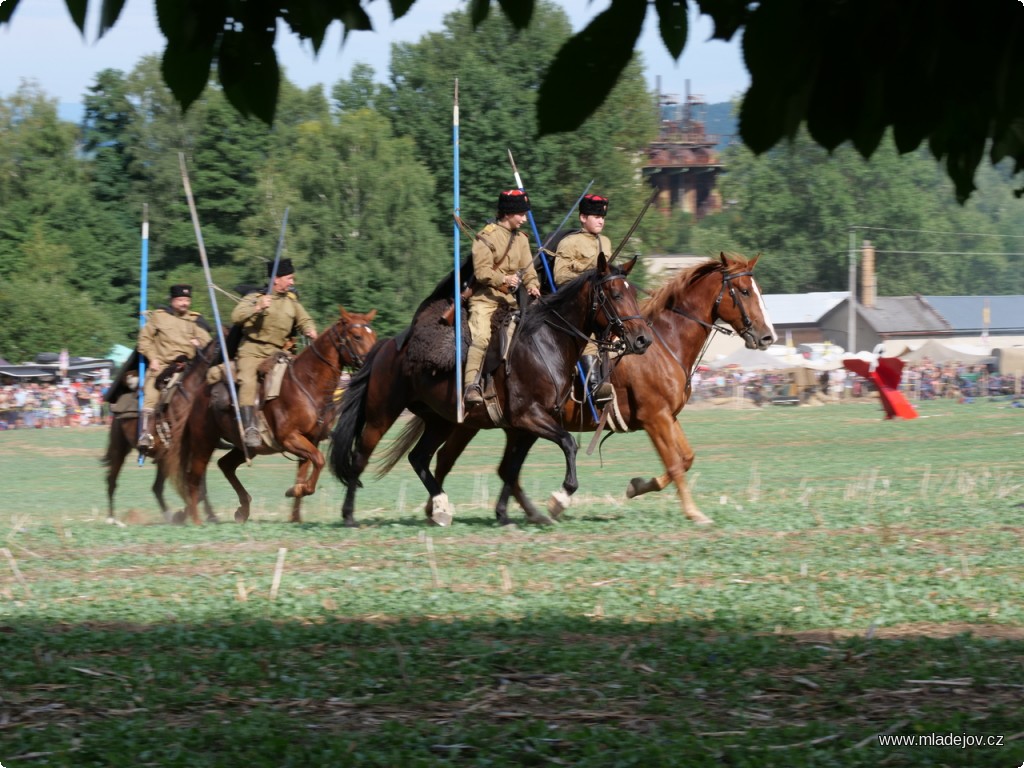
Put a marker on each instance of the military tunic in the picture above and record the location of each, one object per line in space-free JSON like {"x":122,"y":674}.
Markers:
{"x":166,"y":336}
{"x":263,"y":334}
{"x":494,"y":258}
{"x":577,"y":253}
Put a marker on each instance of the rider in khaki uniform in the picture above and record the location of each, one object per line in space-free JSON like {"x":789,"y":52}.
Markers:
{"x":267,"y":321}
{"x":501,"y":253}
{"x":169,"y":332}
{"x":576,"y":253}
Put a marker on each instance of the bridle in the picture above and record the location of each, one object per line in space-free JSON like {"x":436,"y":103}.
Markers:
{"x":746,"y":332}
{"x":615,"y":325}
{"x":343,"y":346}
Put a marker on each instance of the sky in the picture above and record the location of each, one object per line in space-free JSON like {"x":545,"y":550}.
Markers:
{"x":41,"y":43}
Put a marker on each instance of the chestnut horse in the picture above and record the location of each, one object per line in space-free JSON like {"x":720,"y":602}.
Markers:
{"x":529,"y":387}
{"x":299,"y":418}
{"x":651,"y":389}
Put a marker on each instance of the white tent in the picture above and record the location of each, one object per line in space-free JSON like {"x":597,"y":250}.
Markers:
{"x":940,"y":353}
{"x":751,"y":360}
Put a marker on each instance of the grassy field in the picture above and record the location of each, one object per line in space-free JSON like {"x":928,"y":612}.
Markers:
{"x":863,"y":577}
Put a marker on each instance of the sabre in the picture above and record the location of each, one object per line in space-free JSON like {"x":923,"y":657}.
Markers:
{"x":228,"y":373}
{"x":636,"y":223}
{"x":144,"y":287}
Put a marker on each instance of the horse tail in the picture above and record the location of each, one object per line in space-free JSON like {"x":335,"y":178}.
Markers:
{"x":350,"y":425}
{"x":407,"y":438}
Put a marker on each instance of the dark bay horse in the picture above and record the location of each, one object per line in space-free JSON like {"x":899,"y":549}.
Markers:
{"x":299,"y":418}
{"x":532,"y":385}
{"x":124,"y":434}
{"x":651,"y":389}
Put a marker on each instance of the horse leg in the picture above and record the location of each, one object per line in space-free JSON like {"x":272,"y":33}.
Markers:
{"x":561,"y":498}
{"x":436,"y":431}
{"x":118,"y":448}
{"x":517,"y":446}
{"x":446,"y":458}
{"x":677,"y":455}
{"x":158,"y":491}
{"x":211,"y":516}
{"x":228,"y":463}
{"x":311,"y":463}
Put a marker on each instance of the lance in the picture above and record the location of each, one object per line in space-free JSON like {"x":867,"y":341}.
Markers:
{"x":277,"y":254}
{"x":544,"y":248}
{"x":228,"y":373}
{"x":551,"y":278}
{"x":144,"y":287}
{"x":636,"y":223}
{"x":460,"y":409}
{"x":529,"y":215}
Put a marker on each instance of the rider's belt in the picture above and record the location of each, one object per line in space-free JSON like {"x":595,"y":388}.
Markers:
{"x":251,"y":340}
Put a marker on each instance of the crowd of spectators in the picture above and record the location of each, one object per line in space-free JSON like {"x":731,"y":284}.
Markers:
{"x":922,"y":381}
{"x":36,"y":405}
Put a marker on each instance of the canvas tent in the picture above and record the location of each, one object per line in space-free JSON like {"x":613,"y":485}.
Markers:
{"x":940,"y":354}
{"x":751,"y":360}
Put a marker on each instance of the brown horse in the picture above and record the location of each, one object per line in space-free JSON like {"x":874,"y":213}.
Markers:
{"x":298,"y":418}
{"x":652,"y":389}
{"x":124,"y":435}
{"x":533,"y":383}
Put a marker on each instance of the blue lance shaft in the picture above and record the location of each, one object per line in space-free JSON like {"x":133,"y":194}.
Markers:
{"x":228,"y":373}
{"x":460,"y":408}
{"x":277,"y":254}
{"x":551,"y":279}
{"x":143,"y":289}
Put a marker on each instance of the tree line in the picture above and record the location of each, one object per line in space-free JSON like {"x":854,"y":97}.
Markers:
{"x":366,"y":174}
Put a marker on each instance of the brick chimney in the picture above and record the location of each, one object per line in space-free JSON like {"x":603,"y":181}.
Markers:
{"x":868,"y":282}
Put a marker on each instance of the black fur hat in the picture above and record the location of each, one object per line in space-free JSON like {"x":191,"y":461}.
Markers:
{"x":179,"y":290}
{"x":284,"y":267}
{"x":594,"y":205}
{"x":513,"y":201}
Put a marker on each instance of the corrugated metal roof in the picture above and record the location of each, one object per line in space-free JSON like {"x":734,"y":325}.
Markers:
{"x":903,"y":314}
{"x":965,"y":313}
{"x":802,"y":308}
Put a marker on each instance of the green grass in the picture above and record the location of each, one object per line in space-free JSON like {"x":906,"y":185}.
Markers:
{"x":863,"y":576}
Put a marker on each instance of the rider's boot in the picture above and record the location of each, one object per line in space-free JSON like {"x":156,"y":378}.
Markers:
{"x":601,"y":390}
{"x":252,"y":433}
{"x":145,"y":443}
{"x":473,"y":393}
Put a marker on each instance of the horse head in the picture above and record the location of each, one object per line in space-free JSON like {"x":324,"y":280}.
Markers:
{"x":744,"y":310}
{"x":354,"y":337}
{"x":615,"y":309}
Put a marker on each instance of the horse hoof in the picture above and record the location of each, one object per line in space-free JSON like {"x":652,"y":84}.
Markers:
{"x":241,"y":515}
{"x":558,"y":503}
{"x":443,"y":513}
{"x":541,"y":520}
{"x":701,"y":519}
{"x":349,"y":522}
{"x":633,"y":489}
{"x":178,"y":518}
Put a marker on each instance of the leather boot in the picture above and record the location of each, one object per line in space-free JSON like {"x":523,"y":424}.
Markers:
{"x":601,"y":391}
{"x":145,"y":442}
{"x":473,"y":395}
{"x":252,"y":433}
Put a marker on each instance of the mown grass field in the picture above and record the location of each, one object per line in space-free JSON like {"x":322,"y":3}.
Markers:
{"x":863,"y":577}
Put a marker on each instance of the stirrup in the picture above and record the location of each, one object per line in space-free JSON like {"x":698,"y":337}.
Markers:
{"x":473,"y":394}
{"x":252,"y":438}
{"x":145,"y":442}
{"x":603,"y":392}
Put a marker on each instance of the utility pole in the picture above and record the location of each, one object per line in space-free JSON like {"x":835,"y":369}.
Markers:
{"x":851,"y":329}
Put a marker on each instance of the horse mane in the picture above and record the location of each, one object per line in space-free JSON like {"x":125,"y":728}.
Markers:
{"x":675,"y":287}
{"x":537,"y":313}
{"x":445,"y":289}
